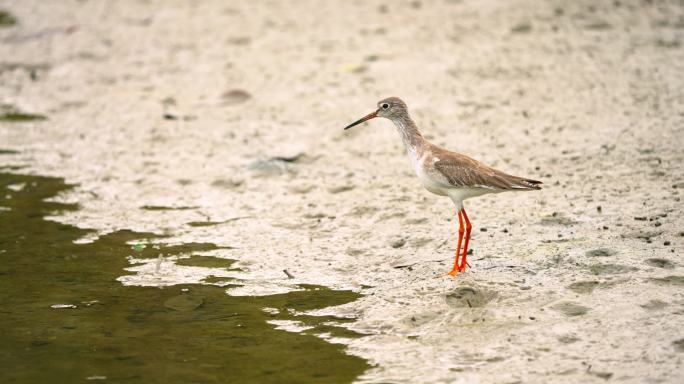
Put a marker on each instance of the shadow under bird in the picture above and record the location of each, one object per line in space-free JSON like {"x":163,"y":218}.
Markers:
{"x":447,"y":173}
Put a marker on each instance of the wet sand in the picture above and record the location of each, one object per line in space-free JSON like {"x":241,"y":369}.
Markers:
{"x":222,"y":123}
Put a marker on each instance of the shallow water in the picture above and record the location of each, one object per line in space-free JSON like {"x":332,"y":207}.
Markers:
{"x":66,"y":318}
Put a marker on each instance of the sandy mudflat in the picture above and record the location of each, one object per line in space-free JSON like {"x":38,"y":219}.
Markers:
{"x":580,"y":282}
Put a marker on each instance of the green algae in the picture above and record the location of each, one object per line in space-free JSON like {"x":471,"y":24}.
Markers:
{"x":10,"y":114}
{"x":206,"y":261}
{"x":6,"y":19}
{"x":190,"y":333}
{"x":166,"y":208}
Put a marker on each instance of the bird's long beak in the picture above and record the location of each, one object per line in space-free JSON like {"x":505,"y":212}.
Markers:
{"x":361,"y":120}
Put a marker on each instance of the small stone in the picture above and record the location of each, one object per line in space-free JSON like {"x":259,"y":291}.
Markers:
{"x":341,"y":188}
{"x":398,"y":243}
{"x":235,"y":96}
{"x":603,"y":375}
{"x":522,"y":28}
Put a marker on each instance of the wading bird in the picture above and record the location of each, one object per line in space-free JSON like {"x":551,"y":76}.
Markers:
{"x":447,"y":173}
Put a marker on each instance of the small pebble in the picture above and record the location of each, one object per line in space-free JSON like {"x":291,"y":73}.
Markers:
{"x":666,"y":243}
{"x":398,"y":243}
{"x":235,"y":96}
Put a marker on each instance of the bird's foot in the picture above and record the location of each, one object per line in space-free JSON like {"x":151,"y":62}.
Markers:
{"x":452,"y":273}
{"x":455,"y":271}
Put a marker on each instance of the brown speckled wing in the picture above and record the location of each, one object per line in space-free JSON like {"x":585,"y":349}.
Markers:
{"x":464,"y":172}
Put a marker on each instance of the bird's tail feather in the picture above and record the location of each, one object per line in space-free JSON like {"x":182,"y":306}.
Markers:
{"x":522,"y":183}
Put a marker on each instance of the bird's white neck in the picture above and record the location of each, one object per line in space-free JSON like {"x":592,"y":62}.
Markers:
{"x":409,"y":133}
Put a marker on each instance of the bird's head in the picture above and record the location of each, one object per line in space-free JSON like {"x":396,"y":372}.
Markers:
{"x":389,"y":108}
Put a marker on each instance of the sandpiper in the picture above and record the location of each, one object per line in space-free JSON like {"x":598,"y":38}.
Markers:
{"x":447,"y":173}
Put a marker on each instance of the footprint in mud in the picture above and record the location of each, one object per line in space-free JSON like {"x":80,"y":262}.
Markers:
{"x":642,"y":234}
{"x":470,"y":297}
{"x":583,"y":287}
{"x":227,"y":183}
{"x":660,"y":263}
{"x":610,"y":269}
{"x":184,"y":302}
{"x":674,"y":280}
{"x":601,"y":252}
{"x":654,"y":305}
{"x":558,"y":218}
{"x":362,"y":211}
{"x":568,"y":339}
{"x":570,"y":309}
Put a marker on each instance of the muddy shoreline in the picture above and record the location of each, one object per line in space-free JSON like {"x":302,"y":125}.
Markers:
{"x":222,"y":123}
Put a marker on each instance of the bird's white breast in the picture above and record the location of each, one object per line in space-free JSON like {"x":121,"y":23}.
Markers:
{"x":427,"y":179}
{"x":436,"y":183}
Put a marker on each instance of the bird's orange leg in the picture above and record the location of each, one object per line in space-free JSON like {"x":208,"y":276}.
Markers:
{"x":455,"y":270}
{"x":462,"y":267}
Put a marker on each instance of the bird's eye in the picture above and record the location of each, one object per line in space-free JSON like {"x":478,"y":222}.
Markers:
{"x":385,"y":105}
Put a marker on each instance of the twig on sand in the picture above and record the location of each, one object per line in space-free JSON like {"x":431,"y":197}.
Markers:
{"x":289,"y":275}
{"x":411,"y":265}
